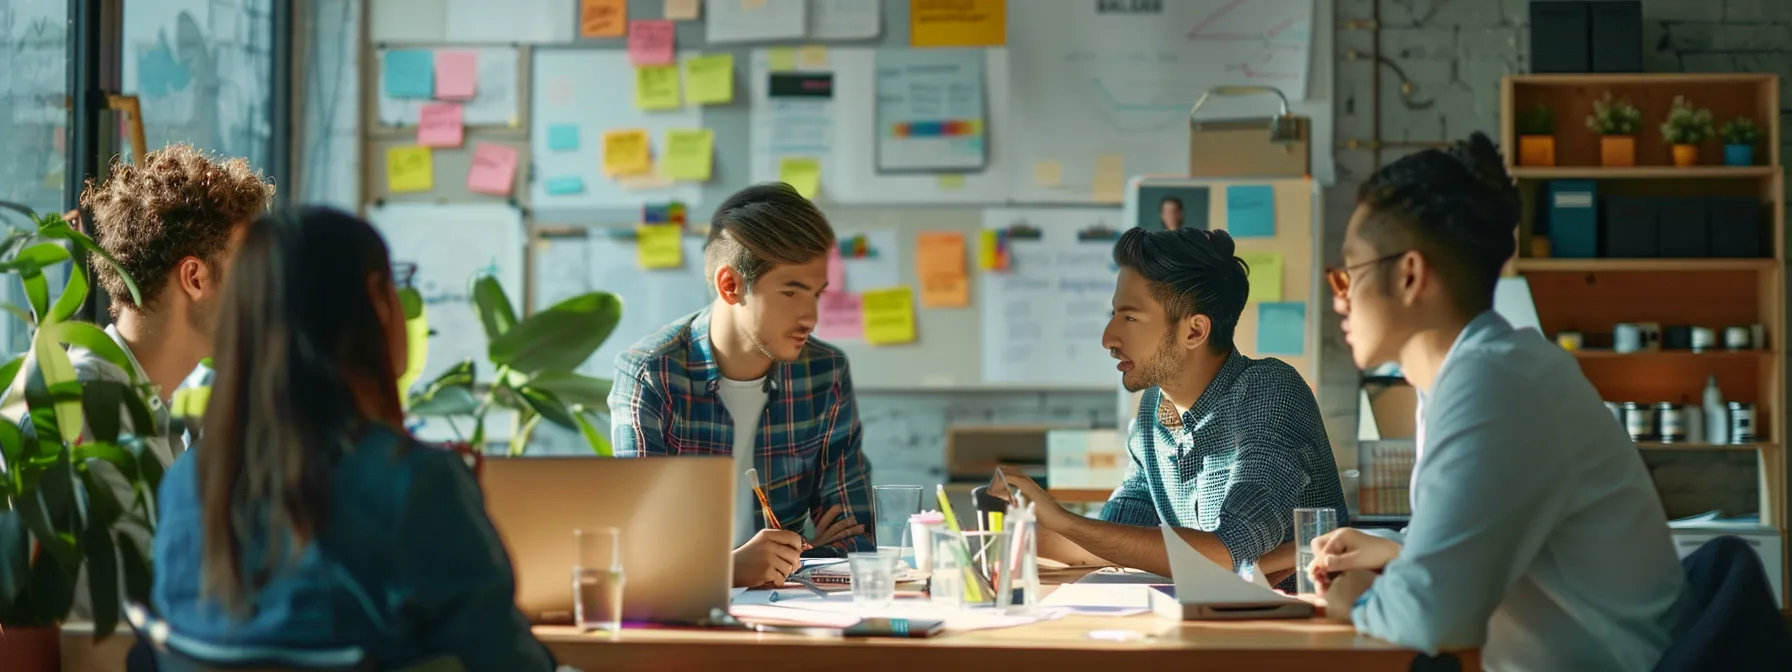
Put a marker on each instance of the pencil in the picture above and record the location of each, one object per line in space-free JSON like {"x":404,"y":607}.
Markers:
{"x":765,"y":505}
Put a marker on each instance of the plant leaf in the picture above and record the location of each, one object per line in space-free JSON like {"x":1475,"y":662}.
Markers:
{"x":521,"y":440}
{"x":53,"y":588}
{"x":149,"y":469}
{"x":23,"y":315}
{"x":600,"y":444}
{"x":137,"y":579}
{"x":110,"y":453}
{"x":73,"y":294}
{"x":561,"y":337}
{"x":10,"y":372}
{"x":58,"y":374}
{"x":102,"y":576}
{"x":37,"y":291}
{"x":37,"y":519}
{"x":36,"y":257}
{"x":459,"y":374}
{"x":15,"y":556}
{"x":494,"y":309}
{"x":12,"y":453}
{"x":96,"y":339}
{"x":548,"y":406}
{"x":446,"y":401}
{"x":100,"y":400}
{"x":81,"y":240}
{"x":572,"y":388}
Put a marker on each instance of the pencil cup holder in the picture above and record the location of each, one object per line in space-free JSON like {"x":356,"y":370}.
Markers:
{"x":970,"y":569}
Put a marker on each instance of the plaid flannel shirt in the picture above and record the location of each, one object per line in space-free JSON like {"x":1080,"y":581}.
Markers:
{"x":665,"y":401}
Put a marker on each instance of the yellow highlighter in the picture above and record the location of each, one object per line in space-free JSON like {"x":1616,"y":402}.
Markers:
{"x":973,"y":579}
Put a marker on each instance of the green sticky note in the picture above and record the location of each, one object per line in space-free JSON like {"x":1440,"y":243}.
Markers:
{"x":710,"y":79}
{"x":656,"y":87}
{"x":689,"y":153}
{"x":1266,"y":276}
{"x":781,"y":59}
{"x":801,"y":172}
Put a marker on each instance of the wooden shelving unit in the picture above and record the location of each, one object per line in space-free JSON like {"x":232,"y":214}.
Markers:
{"x":1592,"y":295}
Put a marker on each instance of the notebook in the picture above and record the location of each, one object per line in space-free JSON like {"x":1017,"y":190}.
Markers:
{"x":835,"y":571}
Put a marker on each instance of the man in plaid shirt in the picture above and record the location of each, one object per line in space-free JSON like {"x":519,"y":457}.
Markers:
{"x":743,"y":377}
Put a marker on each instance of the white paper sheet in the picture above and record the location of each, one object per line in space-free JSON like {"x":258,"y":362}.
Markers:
{"x":1100,"y":599}
{"x":452,"y":245}
{"x":1200,"y":581}
{"x":926,"y":88}
{"x":879,"y":272}
{"x":844,"y":19}
{"x":1043,"y":317}
{"x":956,"y":619}
{"x":796,"y":127}
{"x":525,"y":21}
{"x":761,"y":20}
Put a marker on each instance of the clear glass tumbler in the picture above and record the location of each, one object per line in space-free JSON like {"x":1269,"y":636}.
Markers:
{"x":892,"y":505}
{"x":1308,"y":525}
{"x":873,"y":578}
{"x":597,"y":579}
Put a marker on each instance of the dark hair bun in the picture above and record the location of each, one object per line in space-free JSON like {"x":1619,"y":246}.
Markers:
{"x":1223,"y":244}
{"x":1484,"y":162}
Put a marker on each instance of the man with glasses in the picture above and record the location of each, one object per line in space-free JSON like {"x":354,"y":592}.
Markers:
{"x":1536,"y":532}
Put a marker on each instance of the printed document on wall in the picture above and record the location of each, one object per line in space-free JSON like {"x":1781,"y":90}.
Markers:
{"x":792,"y":119}
{"x":754,"y":20}
{"x":930,"y":112}
{"x":1043,"y":317}
{"x":1120,"y":77}
{"x":844,"y":19}
{"x":452,"y":245}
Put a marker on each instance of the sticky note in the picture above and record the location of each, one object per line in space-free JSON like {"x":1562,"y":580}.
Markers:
{"x":1110,"y":178}
{"x":1282,"y":328}
{"x":565,"y":185}
{"x":952,"y":182}
{"x":650,"y":42}
{"x":1048,"y":173}
{"x":410,"y":73}
{"x":603,"y":18}
{"x":689,"y":154}
{"x":709,"y":80}
{"x":781,"y":59}
{"x":752,"y":5}
{"x":803,"y":173}
{"x":410,"y":169}
{"x":962,"y":23}
{"x":563,"y":137}
{"x":842,"y":316}
{"x":493,"y":170}
{"x":836,"y":270}
{"x":940,"y":267}
{"x":658,"y":246}
{"x":439,"y":125}
{"x":656,"y":87}
{"x":889,"y":316}
{"x":681,"y":10}
{"x":1266,"y":276}
{"x":1251,"y":211}
{"x":457,"y":74}
{"x":989,"y":251}
{"x":812,"y":56}
{"x":627,"y":153}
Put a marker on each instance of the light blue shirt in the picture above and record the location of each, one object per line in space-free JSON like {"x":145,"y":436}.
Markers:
{"x":1536,"y":533}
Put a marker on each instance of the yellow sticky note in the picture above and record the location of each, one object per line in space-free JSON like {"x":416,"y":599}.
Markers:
{"x":658,"y":246}
{"x":951,"y":182}
{"x":964,"y":23}
{"x":1110,"y":178}
{"x":989,"y":250}
{"x":710,"y":79}
{"x":1266,"y":276}
{"x":627,"y":153}
{"x":689,"y":153}
{"x":656,"y":87}
{"x":781,"y":59}
{"x":812,"y":56}
{"x":801,"y":172}
{"x":410,"y":169}
{"x":889,"y":316}
{"x":1048,"y":173}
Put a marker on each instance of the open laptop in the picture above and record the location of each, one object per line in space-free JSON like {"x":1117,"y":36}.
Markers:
{"x":675,"y":514}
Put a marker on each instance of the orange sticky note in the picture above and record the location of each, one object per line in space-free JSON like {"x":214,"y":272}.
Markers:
{"x":650,"y":42}
{"x":940,"y":266}
{"x":457,"y":74}
{"x":493,"y":171}
{"x":682,"y":10}
{"x":603,"y":18}
{"x":439,"y":125}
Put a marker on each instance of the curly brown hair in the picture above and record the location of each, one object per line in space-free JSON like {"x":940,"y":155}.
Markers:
{"x":175,"y":203}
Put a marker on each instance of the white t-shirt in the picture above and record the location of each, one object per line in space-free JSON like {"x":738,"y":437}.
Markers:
{"x":745,"y":401}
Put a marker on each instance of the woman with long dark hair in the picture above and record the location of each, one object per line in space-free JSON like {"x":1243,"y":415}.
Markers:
{"x":309,"y":518}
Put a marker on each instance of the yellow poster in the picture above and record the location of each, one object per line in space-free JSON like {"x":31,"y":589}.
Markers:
{"x":656,"y":87}
{"x":889,"y":316}
{"x":410,"y":169}
{"x":1266,"y":276}
{"x":658,"y":246}
{"x":957,"y":23}
{"x":627,"y":153}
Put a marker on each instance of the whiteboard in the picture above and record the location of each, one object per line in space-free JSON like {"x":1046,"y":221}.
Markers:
{"x":593,"y":89}
{"x":1094,"y":83}
{"x":452,"y":245}
{"x":651,"y":299}
{"x":473,"y":21}
{"x":1043,"y":317}
{"x":849,"y":170}
{"x":495,"y":97}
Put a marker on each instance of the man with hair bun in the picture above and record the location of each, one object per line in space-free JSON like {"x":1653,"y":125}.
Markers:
{"x":1536,"y":532}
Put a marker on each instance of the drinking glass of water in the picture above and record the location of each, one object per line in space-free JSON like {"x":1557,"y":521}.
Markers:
{"x":893,"y":504}
{"x":597,"y":579}
{"x":1308,"y":525}
{"x":873,"y":578}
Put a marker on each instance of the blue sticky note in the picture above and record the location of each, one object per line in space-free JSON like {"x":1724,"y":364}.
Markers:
{"x":1251,"y":211}
{"x":1282,"y":328}
{"x":566,"y":185}
{"x":563,"y":137}
{"x":410,"y":73}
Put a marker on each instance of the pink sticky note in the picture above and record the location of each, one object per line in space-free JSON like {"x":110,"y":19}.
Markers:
{"x":439,"y":125}
{"x":836,"y":271}
{"x":650,"y":42}
{"x":842,"y":317}
{"x":457,"y":73}
{"x":493,"y":171}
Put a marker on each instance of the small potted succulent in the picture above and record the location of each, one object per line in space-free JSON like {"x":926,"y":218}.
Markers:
{"x":1537,"y":137}
{"x":1617,"y":121}
{"x":1740,"y":135}
{"x":1686,"y":127}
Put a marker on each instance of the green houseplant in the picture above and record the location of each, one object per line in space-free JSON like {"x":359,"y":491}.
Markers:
{"x":1617,"y":122}
{"x":58,"y":515}
{"x":1536,"y":137}
{"x":1685,"y":127}
{"x":1740,"y":136}
{"x":533,"y":361}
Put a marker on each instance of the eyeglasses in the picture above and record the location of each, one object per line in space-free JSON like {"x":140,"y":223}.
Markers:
{"x":1339,"y":276}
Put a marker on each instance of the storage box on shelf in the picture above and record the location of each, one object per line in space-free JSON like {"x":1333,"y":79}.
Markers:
{"x":1665,"y":246}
